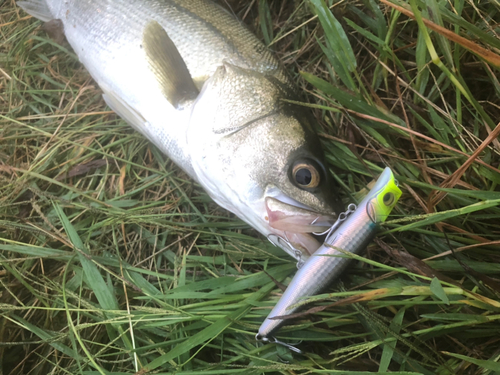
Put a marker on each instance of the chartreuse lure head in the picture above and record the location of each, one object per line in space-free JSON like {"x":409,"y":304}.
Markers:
{"x":382,"y":198}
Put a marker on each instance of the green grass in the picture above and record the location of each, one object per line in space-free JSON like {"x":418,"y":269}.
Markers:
{"x":113,"y":262}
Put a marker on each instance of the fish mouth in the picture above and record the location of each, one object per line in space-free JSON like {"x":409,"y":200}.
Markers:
{"x":296,"y":226}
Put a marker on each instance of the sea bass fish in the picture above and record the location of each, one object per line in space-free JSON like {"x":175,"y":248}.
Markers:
{"x":203,"y":89}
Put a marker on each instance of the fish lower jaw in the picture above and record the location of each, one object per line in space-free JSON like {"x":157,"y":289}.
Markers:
{"x":294,"y":227}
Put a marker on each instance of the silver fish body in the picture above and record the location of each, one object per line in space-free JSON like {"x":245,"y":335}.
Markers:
{"x":321,"y":269}
{"x":107,"y":36}
{"x":201,"y":87}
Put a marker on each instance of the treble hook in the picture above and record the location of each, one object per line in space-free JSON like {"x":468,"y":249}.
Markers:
{"x":277,"y":243}
{"x":300,"y":261}
{"x":296,"y":252}
{"x":342,"y":217}
{"x":275,"y":240}
{"x":274,"y":340}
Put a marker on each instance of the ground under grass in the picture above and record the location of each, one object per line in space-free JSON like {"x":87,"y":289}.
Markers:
{"x":113,"y":262}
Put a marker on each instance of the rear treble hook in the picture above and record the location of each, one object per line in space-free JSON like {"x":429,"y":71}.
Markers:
{"x":274,"y":340}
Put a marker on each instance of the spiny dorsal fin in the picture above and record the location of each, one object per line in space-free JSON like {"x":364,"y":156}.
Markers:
{"x":168,"y":66}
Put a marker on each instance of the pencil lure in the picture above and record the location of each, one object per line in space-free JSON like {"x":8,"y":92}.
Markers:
{"x":327,"y":263}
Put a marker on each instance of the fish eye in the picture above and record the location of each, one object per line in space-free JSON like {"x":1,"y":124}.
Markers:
{"x":306,"y":175}
{"x":388,"y":199}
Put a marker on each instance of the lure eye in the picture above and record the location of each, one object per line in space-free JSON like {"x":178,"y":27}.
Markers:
{"x":306,"y":175}
{"x":388,"y":199}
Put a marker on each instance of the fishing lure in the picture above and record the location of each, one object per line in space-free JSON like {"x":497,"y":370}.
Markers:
{"x":352,"y":233}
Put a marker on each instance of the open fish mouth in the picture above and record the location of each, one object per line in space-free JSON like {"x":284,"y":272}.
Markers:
{"x":296,"y":226}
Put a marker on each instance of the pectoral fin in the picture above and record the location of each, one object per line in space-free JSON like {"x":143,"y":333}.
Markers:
{"x":37,"y":8}
{"x":125,"y":111}
{"x":168,"y":66}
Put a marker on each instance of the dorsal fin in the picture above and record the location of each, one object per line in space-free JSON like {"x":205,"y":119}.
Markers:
{"x":168,"y":65}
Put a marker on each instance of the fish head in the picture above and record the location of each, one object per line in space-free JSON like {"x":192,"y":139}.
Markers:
{"x":258,"y":157}
{"x":382,"y":197}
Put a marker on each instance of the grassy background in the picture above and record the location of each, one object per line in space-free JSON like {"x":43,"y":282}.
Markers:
{"x":113,"y":262}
